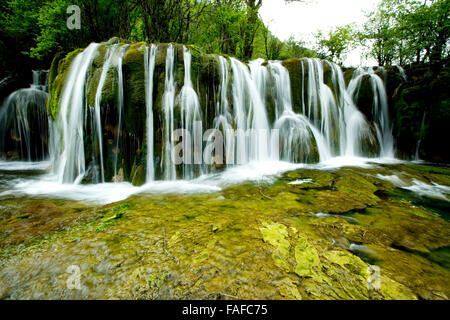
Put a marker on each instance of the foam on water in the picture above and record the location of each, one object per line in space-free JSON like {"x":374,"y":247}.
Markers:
{"x":24,"y":165}
{"x":301,"y":181}
{"x":48,"y":185}
{"x":265,"y":172}
{"x":327,"y":215}
{"x":360,"y":162}
{"x":433,"y":190}
{"x":394,"y":179}
{"x":103,"y":193}
{"x":423,"y":189}
{"x":360,"y":248}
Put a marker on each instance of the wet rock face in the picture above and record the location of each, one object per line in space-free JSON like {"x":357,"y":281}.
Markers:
{"x":420,"y":110}
{"x":414,"y":106}
{"x":24,"y":129}
{"x":345,"y":233}
{"x":129,"y":143}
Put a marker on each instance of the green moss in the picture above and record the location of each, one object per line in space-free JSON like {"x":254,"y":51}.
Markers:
{"x":56,"y":84}
{"x":306,"y":257}
{"x":393,"y":290}
{"x":311,"y":178}
{"x":276,"y":234}
{"x":138,"y":174}
{"x":348,"y":74}
{"x":235,"y":243}
{"x":288,"y":290}
{"x":209,"y":67}
{"x":53,"y":71}
{"x":295,"y":68}
{"x":134,"y":77}
{"x":109,"y":219}
{"x":357,"y":185}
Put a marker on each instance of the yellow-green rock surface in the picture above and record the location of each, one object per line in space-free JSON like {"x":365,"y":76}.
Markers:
{"x":321,"y":239}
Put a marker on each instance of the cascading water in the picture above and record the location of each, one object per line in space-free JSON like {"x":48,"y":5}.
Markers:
{"x":250,"y":114}
{"x":380,"y":107}
{"x":168,"y":161}
{"x":297,"y":134}
{"x":40,"y":79}
{"x":190,"y":114}
{"x":120,"y":102}
{"x":149,"y":65}
{"x":223,"y":120}
{"x":109,"y":56}
{"x":330,"y":125}
{"x":24,"y":123}
{"x":322,"y":109}
{"x":421,"y":134}
{"x":353,"y":127}
{"x":402,"y":73}
{"x":70,"y":164}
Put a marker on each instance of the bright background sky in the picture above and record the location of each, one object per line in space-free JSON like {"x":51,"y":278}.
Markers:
{"x":301,"y":20}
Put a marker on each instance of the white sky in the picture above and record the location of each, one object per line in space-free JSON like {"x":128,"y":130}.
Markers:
{"x":301,"y":20}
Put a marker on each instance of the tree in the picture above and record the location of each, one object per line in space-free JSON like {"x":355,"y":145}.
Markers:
{"x":272,"y":45}
{"x":379,"y":31}
{"x":336,"y":44}
{"x":425,"y":28}
{"x":228,"y":17}
{"x":405,"y":31}
{"x":250,"y":27}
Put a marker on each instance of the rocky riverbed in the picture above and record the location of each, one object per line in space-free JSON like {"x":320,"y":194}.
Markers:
{"x":304,"y":234}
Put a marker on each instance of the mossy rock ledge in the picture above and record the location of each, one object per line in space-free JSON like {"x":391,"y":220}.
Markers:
{"x":415,"y":113}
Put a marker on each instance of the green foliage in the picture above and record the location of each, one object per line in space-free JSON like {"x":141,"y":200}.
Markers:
{"x":107,"y":220}
{"x":296,"y":49}
{"x":38,"y":29}
{"x":396,"y":32}
{"x":55,"y":35}
{"x":272,"y":45}
{"x":405,"y":31}
{"x":337,"y":43}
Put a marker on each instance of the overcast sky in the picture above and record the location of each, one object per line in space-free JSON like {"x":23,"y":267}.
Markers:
{"x":302,"y":19}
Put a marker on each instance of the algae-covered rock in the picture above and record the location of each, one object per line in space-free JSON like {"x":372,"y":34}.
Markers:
{"x":138,"y":175}
{"x":276,"y":234}
{"x":134,"y":92}
{"x":306,"y":257}
{"x":248,"y":241}
{"x":56,"y":82}
{"x":297,"y":72}
{"x":420,"y":110}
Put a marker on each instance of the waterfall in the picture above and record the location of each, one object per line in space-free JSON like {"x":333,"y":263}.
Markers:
{"x":168,"y":161}
{"x":353,"y":127}
{"x":402,"y":73}
{"x":70,"y":164}
{"x":149,"y":65}
{"x":24,"y":123}
{"x":40,"y":78}
{"x":223,"y":120}
{"x":253,"y":108}
{"x":379,"y":107}
{"x":250,"y":114}
{"x":190,"y":114}
{"x":110,"y":52}
{"x":322,"y":109}
{"x":297,"y":134}
{"x":120,"y":103}
{"x":421,"y":135}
